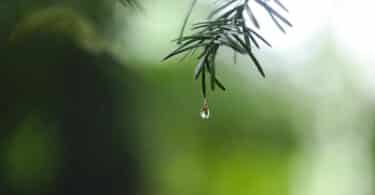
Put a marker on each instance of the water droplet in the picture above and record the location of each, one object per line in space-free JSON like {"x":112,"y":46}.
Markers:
{"x":205,"y":111}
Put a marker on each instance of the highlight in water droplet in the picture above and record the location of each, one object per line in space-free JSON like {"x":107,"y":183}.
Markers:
{"x":205,"y":111}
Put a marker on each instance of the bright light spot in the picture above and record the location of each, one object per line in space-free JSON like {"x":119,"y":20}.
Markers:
{"x":308,"y":19}
{"x":354,"y":30}
{"x":354,"y":33}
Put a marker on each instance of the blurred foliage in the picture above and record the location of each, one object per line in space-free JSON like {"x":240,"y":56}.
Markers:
{"x":64,"y":22}
{"x":246,"y":148}
{"x":31,"y":154}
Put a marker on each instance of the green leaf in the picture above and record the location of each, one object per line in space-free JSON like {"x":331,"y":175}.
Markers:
{"x":204,"y":92}
{"x":193,"y":3}
{"x":253,"y":58}
{"x":181,"y":50}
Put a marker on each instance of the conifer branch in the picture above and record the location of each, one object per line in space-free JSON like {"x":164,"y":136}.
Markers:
{"x":226,"y":26}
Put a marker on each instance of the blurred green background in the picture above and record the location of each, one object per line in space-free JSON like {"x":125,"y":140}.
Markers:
{"x":305,"y":129}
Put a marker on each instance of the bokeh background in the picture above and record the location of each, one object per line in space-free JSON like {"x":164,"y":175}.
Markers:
{"x":307,"y":129}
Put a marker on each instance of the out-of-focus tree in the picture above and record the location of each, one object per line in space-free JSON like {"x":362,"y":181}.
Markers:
{"x":57,"y":69}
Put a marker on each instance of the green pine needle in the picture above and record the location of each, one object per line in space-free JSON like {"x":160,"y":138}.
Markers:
{"x":226,"y":26}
